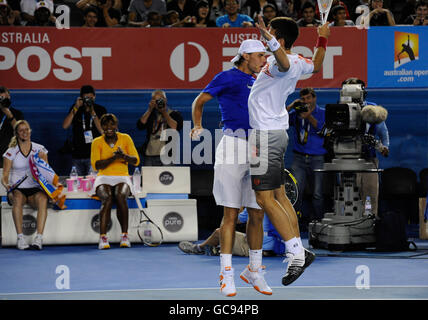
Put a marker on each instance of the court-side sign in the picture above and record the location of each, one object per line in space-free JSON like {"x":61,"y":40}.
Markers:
{"x":398,"y":57}
{"x":144,"y":58}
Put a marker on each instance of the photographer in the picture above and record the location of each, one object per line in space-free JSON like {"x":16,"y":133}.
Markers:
{"x":84,"y":116}
{"x":307,"y":118}
{"x":369,"y":182}
{"x":8,"y":118}
{"x":155,"y":120}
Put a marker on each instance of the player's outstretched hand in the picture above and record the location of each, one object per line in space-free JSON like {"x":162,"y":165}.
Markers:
{"x":262,"y":28}
{"x":324,"y":30}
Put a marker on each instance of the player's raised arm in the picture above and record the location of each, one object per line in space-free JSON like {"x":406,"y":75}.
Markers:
{"x":275,"y":46}
{"x":321,"y":47}
{"x":197,"y":109}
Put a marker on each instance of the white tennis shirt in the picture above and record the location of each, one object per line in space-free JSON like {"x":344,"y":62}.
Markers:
{"x":21,"y":164}
{"x":266,"y":103}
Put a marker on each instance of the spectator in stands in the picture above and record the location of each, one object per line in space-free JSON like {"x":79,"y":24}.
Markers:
{"x":28,"y":7}
{"x":339,"y":17}
{"x":42,"y":16}
{"x":154,"y":20}
{"x":232,"y":18}
{"x":334,"y":3}
{"x":139,"y":9}
{"x":84,"y":117}
{"x":290,"y":8}
{"x":185,"y":8}
{"x":8,"y":16}
{"x":420,"y":17}
{"x":308,"y":19}
{"x":202,"y":15}
{"x":8,"y":118}
{"x":16,"y":166}
{"x":155,"y":120}
{"x":308,"y":149}
{"x":108,"y":12}
{"x":407,"y":10}
{"x":172,"y":19}
{"x":216,"y":9}
{"x":269,"y":12}
{"x":90,"y":17}
{"x":378,"y":15}
{"x":111,"y":154}
{"x":253,"y":8}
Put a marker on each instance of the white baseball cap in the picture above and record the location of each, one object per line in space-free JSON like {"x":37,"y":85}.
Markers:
{"x":249,"y":46}
{"x":43,"y":4}
{"x":3,"y":3}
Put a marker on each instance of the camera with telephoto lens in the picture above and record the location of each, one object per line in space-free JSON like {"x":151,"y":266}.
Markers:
{"x":160,"y":103}
{"x":300,"y":107}
{"x":4,"y":102}
{"x":88,"y":102}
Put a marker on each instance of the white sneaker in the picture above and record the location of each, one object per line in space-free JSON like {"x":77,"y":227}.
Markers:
{"x":103,"y":243}
{"x":21,"y":244}
{"x":124,"y":241}
{"x":37,"y":242}
{"x":256,"y":279}
{"x":227,"y":282}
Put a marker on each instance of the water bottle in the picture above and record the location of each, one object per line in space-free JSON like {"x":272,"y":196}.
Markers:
{"x":136,"y":180}
{"x":368,"y":207}
{"x":73,"y":176}
{"x":147,"y":233}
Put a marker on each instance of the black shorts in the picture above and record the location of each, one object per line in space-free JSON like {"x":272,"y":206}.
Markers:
{"x":28,"y":192}
{"x":267,"y":159}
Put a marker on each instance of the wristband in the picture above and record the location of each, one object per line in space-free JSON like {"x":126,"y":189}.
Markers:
{"x":273,"y":44}
{"x":321,"y":42}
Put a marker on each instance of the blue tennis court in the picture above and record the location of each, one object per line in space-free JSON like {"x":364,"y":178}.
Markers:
{"x":165,"y":273}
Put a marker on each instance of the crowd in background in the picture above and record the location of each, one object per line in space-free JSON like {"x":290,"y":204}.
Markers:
{"x":209,"y":13}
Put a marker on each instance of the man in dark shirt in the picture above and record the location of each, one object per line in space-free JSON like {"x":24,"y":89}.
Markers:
{"x":84,"y":116}
{"x":155,"y":120}
{"x":8,"y":118}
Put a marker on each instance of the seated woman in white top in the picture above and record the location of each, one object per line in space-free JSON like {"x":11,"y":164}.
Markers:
{"x":16,"y":166}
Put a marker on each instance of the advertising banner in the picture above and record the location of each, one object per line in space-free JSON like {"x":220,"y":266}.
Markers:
{"x":144,"y":58}
{"x":397,"y":57}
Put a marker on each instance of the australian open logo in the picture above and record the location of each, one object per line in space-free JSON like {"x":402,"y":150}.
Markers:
{"x":166,"y":178}
{"x":95,"y":223}
{"x":29,"y":225}
{"x":173,"y":222}
{"x":406,"y":48}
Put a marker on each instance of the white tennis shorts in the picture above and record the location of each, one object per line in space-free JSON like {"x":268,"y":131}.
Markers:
{"x":232,"y":180}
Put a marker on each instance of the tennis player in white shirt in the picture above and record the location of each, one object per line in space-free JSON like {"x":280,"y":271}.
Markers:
{"x":269,"y":139}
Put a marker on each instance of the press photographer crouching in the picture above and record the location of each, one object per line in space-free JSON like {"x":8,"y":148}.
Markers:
{"x":155,"y":120}
{"x":84,"y":117}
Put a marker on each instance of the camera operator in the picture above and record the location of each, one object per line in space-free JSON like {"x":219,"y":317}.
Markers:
{"x":307,"y":118}
{"x":369,"y":182}
{"x":84,"y":117}
{"x":155,"y":120}
{"x":8,"y":118}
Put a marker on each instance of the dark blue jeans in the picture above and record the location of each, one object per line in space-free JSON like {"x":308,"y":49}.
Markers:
{"x":303,"y":169}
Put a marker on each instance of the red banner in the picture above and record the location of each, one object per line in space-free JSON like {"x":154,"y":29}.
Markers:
{"x":130,"y":58}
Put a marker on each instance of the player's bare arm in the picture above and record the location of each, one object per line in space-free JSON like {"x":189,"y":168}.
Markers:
{"x":280,"y":53}
{"x":197,"y":109}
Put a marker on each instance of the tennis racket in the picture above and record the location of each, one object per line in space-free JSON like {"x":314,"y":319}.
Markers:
{"x":148,"y":231}
{"x":14,"y":186}
{"x":290,"y":185}
{"x":324,"y":6}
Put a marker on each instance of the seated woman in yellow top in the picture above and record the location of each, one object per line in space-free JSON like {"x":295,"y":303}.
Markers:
{"x":110,"y":155}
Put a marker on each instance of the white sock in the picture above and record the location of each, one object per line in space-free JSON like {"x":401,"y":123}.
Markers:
{"x":20,"y":235}
{"x":300,"y":242}
{"x":293,"y":246}
{"x":225,"y":260}
{"x":255,"y":259}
